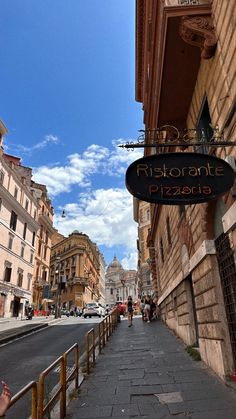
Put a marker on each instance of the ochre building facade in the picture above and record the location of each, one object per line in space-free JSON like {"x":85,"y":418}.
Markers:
{"x":186,"y":79}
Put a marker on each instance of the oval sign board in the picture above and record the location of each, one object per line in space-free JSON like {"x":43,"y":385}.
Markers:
{"x":179,"y":178}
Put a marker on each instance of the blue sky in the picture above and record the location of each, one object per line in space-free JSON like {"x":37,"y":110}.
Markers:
{"x":67,"y":98}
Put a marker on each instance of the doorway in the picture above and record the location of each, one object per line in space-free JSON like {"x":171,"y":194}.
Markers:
{"x":2,"y":304}
{"x":16,"y":306}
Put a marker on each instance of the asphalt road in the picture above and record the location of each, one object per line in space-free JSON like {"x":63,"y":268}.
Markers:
{"x":23,"y":360}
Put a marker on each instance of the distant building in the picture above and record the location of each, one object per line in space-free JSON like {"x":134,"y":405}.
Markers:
{"x":18,"y":227}
{"x":146,"y":286}
{"x":102,"y":290}
{"x":120,"y":283}
{"x":41,"y":294}
{"x":75,"y":267}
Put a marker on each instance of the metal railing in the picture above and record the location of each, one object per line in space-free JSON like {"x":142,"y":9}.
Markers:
{"x":38,"y":406}
{"x":90,"y":348}
{"x":105,"y":329}
{"x":61,"y":389}
{"x":32,"y":385}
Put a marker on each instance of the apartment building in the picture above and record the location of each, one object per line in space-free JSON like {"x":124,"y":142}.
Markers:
{"x":74,"y":270}
{"x":18,"y":227}
{"x":146,"y":286}
{"x":41,"y":290}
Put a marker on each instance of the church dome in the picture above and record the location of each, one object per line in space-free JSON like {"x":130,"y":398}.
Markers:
{"x":115,"y":265}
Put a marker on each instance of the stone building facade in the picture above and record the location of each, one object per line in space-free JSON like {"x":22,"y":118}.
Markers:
{"x":142,"y":216}
{"x":120,"y":283}
{"x":41,"y":293}
{"x":74,"y":267}
{"x":18,"y":227}
{"x":186,"y":78}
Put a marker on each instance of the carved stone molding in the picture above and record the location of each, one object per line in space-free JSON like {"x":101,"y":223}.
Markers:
{"x":199,"y":31}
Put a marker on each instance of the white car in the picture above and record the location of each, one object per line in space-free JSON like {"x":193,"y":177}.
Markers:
{"x":93,"y":309}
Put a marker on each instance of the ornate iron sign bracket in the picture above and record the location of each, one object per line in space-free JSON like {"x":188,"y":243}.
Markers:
{"x":170,"y":136}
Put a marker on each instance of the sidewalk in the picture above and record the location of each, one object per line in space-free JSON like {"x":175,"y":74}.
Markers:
{"x":11,"y":328}
{"x":145,"y":372}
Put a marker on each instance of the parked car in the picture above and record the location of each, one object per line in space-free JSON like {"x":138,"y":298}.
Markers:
{"x":93,"y":309}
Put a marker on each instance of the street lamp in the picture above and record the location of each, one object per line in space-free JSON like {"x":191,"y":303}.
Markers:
{"x":58,"y":292}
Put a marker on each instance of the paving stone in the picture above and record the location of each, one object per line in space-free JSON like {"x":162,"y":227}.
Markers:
{"x":93,"y":412}
{"x":169,"y":397}
{"x":124,"y":380}
{"x":215,"y":414}
{"x":148,"y":399}
{"x":125,"y":410}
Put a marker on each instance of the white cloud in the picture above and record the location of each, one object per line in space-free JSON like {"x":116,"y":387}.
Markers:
{"x":105,"y":215}
{"x":20,"y":148}
{"x":130,"y":261}
{"x":79,"y":168}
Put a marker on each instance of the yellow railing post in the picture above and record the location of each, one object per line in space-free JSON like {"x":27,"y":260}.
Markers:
{"x":40,"y":395}
{"x":63,"y":387}
{"x":30,"y":386}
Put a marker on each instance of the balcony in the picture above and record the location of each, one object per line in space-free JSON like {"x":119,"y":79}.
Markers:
{"x":180,"y":35}
{"x":43,"y":217}
{"x":77,"y":281}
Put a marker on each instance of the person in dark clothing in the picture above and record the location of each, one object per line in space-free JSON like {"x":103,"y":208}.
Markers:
{"x":130,"y":311}
{"x":152,"y":309}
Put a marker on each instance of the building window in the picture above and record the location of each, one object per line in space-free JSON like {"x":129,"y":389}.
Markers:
{"x":7,"y":276}
{"x":46,"y":237}
{"x":13,"y":220}
{"x":204,"y":129}
{"x":29,"y":277}
{"x":44,"y":276}
{"x":31,"y":257}
{"x":39,"y":248}
{"x":24,"y":232}
{"x":20,"y":278}
{"x":35,"y":213}
{"x":148,"y":214}
{"x":45,"y":252}
{"x":26,"y":204}
{"x":16,"y":192}
{"x":22,"y":250}
{"x":168,"y":231}
{"x":41,"y":231}
{"x":0,"y":204}
{"x":1,"y":177}
{"x":33,"y":239}
{"x":10,"y":241}
{"x":111,"y":291}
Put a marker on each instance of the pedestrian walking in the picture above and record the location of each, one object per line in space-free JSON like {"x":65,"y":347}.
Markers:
{"x":130,"y":311}
{"x":147,"y":309}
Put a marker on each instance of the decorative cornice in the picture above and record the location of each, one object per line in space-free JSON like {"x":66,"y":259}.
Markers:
{"x":199,"y":31}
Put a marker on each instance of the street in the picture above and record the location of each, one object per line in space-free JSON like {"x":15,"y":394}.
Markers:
{"x":23,"y":360}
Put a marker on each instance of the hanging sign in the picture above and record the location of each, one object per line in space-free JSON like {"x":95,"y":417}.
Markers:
{"x":179,"y":178}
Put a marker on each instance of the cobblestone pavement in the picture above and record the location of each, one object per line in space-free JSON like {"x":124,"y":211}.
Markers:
{"x":145,"y":372}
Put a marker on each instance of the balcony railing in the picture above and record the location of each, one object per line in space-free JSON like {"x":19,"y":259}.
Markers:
{"x":186,"y":2}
